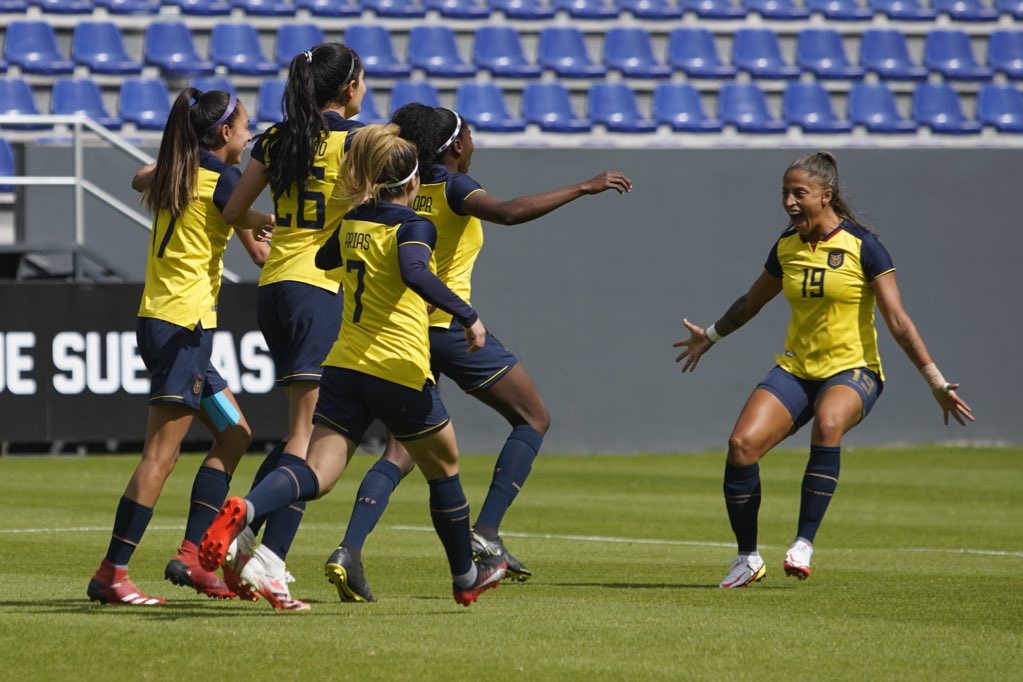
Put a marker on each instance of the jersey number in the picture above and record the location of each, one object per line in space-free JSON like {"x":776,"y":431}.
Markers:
{"x":813,"y":282}
{"x":306,"y":196}
{"x":360,"y":269}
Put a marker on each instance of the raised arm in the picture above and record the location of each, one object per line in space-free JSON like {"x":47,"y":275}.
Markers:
{"x":745,"y":308}
{"x":523,"y":209}
{"x":889,"y":301}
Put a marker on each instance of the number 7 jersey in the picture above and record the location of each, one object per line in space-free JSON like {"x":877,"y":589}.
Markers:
{"x":307,"y":218}
{"x":828,"y":286}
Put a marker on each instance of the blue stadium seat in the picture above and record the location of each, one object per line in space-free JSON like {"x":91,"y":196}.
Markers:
{"x":678,"y":105}
{"x":629,"y":50}
{"x":652,"y":9}
{"x":130,"y":6}
{"x":757,"y":51}
{"x":1005,"y":53}
{"x":714,"y":9}
{"x":13,"y":6}
{"x":937,"y":107}
{"x":820,"y":51}
{"x":71,"y":96}
{"x":785,"y":10}
{"x":873,"y":106}
{"x":404,"y":92}
{"x":588,"y":9}
{"x":270,"y":101}
{"x":293,"y":39}
{"x":966,"y":10}
{"x":330,"y":8}
{"x":614,"y":105}
{"x":808,"y":106}
{"x":99,"y":46}
{"x":266,"y":8}
{"x":373,"y":44}
{"x":886,"y":53}
{"x":208,"y":83}
{"x":949,"y":52}
{"x":744,"y":106}
{"x":530,"y":10}
{"x":483,"y":105}
{"x":64,"y":6}
{"x":840,"y":10}
{"x":369,"y":112}
{"x":406,"y":9}
{"x":693,"y":50}
{"x":459,"y":9}
{"x":1012,"y":8}
{"x":144,"y":102}
{"x":434,"y":50}
{"x":904,"y":10}
{"x":236,"y":46}
{"x":169,"y":46}
{"x":204,"y":8}
{"x":563,"y":49}
{"x":16,"y":98}
{"x":7,"y":166}
{"x":32,"y":45}
{"x":499,"y":51}
{"x":549,"y":106}
{"x":1001,"y":106}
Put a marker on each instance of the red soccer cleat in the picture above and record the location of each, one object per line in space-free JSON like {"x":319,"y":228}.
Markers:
{"x":111,"y":585}
{"x":184,"y":569}
{"x":221,"y":533}
{"x":489,"y":572}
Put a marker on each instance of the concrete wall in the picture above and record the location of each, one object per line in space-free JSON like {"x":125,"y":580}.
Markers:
{"x":591,"y":297}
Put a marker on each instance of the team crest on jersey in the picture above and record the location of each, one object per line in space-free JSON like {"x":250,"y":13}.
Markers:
{"x":835,"y":259}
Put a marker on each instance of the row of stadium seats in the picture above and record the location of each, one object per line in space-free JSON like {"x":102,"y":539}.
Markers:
{"x":145,"y":103}
{"x":850,"y":10}
{"x":235,"y":47}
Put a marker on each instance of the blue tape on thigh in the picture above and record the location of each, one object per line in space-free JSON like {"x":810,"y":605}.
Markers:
{"x":222,"y":411}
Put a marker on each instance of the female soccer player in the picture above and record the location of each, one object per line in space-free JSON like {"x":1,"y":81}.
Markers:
{"x":186,"y":190}
{"x":379,"y":366}
{"x":456,"y":204}
{"x":832,"y":271}
{"x":299,"y":309}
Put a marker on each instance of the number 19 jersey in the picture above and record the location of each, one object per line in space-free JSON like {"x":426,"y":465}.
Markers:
{"x":827,"y":285}
{"x":306,"y":219}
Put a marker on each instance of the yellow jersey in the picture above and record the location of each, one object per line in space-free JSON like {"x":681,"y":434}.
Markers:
{"x":827,"y":285}
{"x":306,"y":218}
{"x":186,"y":253}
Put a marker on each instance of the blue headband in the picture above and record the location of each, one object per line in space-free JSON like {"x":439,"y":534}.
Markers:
{"x":231,"y":103}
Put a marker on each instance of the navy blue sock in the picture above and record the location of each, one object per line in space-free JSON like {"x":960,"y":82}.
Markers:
{"x":370,"y":502}
{"x":513,"y":466}
{"x":209,"y":490}
{"x":282,"y":525}
{"x":130,"y":523}
{"x":268,"y":464}
{"x":282,"y":486}
{"x":450,"y":513}
{"x":742,"y":499}
{"x":819,"y":483}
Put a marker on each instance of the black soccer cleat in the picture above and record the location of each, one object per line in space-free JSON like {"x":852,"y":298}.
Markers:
{"x":482,"y":548}
{"x":347,"y":575}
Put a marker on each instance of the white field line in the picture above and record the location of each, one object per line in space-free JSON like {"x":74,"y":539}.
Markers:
{"x":541,"y":536}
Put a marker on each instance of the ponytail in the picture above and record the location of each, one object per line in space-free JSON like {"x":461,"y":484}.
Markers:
{"x":195,"y":120}
{"x":823,"y":168}
{"x":379,"y":165}
{"x":316,"y":78}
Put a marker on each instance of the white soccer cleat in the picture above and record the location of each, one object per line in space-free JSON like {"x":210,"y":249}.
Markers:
{"x":745,"y":570}
{"x":797,"y":559}
{"x":265,"y":574}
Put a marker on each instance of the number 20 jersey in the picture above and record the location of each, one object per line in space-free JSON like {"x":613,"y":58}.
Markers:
{"x":827,"y":285}
{"x":306,"y":219}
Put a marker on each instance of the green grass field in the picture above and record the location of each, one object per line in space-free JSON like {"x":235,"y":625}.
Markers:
{"x":918,"y":575}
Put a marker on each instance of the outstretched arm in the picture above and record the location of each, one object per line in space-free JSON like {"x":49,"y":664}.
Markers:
{"x":744,"y":309}
{"x":889,"y":300}
{"x":523,"y":209}
{"x":144,"y":178}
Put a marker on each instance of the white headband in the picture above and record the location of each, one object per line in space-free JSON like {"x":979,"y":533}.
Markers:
{"x":402,"y":182}
{"x":454,"y":135}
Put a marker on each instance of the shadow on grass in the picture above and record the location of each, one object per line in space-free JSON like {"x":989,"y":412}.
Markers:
{"x":660,"y":586}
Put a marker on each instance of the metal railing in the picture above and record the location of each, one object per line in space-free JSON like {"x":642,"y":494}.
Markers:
{"x":79,"y":124}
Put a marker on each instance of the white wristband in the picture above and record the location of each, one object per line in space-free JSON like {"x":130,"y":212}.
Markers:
{"x":712,"y":334}
{"x":934,"y":379}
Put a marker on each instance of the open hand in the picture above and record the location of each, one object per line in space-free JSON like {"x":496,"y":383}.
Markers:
{"x":608,"y":180}
{"x":695,"y":346}
{"x":952,"y":404}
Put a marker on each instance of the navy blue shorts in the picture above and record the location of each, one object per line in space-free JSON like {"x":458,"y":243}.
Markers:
{"x":178,"y":360}
{"x":349,"y":402}
{"x":798,"y":395}
{"x":300,"y":323}
{"x":471,"y":371}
